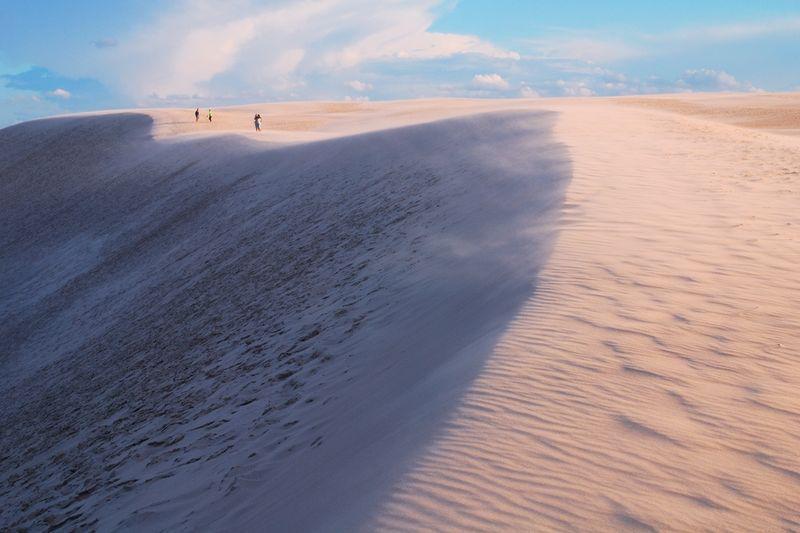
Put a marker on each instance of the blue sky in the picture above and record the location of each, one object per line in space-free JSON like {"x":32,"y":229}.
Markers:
{"x":60,"y":56}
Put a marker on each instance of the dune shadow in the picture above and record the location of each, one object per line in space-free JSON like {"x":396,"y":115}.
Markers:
{"x":495,"y":183}
{"x":230,"y":334}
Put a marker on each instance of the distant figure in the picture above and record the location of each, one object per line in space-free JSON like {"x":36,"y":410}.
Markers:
{"x":197,"y":114}
{"x":210,"y":114}
{"x":257,"y":121}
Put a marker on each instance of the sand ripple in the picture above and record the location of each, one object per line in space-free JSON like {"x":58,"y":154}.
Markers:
{"x":651,"y":382}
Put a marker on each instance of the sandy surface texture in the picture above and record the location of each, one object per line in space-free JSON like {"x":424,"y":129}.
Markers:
{"x":779,"y":113}
{"x":418,"y":316}
{"x":650,"y":383}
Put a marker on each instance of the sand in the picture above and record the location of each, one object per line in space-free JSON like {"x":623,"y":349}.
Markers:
{"x":777,"y":113}
{"x":426,"y":315}
{"x":650,"y":383}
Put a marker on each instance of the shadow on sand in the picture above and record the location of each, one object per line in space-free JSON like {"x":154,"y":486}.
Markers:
{"x":205,"y":333}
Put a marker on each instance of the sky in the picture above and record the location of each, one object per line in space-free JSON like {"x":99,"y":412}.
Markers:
{"x":62,"y":56}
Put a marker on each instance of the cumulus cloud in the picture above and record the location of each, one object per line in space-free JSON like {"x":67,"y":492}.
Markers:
{"x":191,"y":52}
{"x":575,"y":88}
{"x":597,"y":81}
{"x":490,"y":81}
{"x":274,"y":49}
{"x":705,"y":79}
{"x":359,"y":86}
{"x":526,"y":91}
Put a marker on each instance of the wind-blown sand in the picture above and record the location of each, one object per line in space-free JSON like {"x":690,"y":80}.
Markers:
{"x":429,"y":315}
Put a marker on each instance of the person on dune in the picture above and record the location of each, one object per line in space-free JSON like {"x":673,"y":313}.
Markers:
{"x":197,"y":114}
{"x":210,"y":114}
{"x":257,"y":121}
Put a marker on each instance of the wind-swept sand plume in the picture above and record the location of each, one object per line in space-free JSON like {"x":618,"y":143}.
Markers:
{"x":430,"y":315}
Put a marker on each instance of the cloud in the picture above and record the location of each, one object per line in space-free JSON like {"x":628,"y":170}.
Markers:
{"x":33,"y":79}
{"x":275,"y":50}
{"x":359,"y":86}
{"x":734,"y":32}
{"x":605,"y":47}
{"x":575,"y":88}
{"x":39,"y":91}
{"x":407,"y":42}
{"x":104,"y":43}
{"x":526,"y":91}
{"x":490,"y":81}
{"x":588,"y":48}
{"x":705,"y":79}
{"x":599,"y":81}
{"x":45,"y":81}
{"x":191,"y":52}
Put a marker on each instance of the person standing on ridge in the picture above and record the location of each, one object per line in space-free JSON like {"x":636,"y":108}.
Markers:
{"x":210,"y":114}
{"x":197,"y":114}
{"x":257,"y":121}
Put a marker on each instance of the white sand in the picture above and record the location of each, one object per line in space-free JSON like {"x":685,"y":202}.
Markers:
{"x":651,"y":382}
{"x":580,"y":319}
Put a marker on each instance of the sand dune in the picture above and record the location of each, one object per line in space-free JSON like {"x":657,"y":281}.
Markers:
{"x":208,"y":322}
{"x":426,"y":315}
{"x":778,"y":113}
{"x":650,"y":384}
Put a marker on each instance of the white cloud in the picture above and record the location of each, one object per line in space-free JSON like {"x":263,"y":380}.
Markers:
{"x":599,"y":81}
{"x":325,"y":49}
{"x":61,"y":93}
{"x":197,"y":48}
{"x":589,"y":48}
{"x":705,"y":79}
{"x":574,"y":88}
{"x":401,"y":42}
{"x":490,"y":81}
{"x":735,"y":32}
{"x":527,"y":91}
{"x":359,"y":86}
{"x":598,"y":47}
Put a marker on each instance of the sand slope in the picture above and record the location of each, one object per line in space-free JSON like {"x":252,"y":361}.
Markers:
{"x":651,"y":383}
{"x":209,"y":331}
{"x":560,"y":315}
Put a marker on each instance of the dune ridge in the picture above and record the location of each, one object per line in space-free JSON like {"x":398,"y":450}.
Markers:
{"x":215,"y":332}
